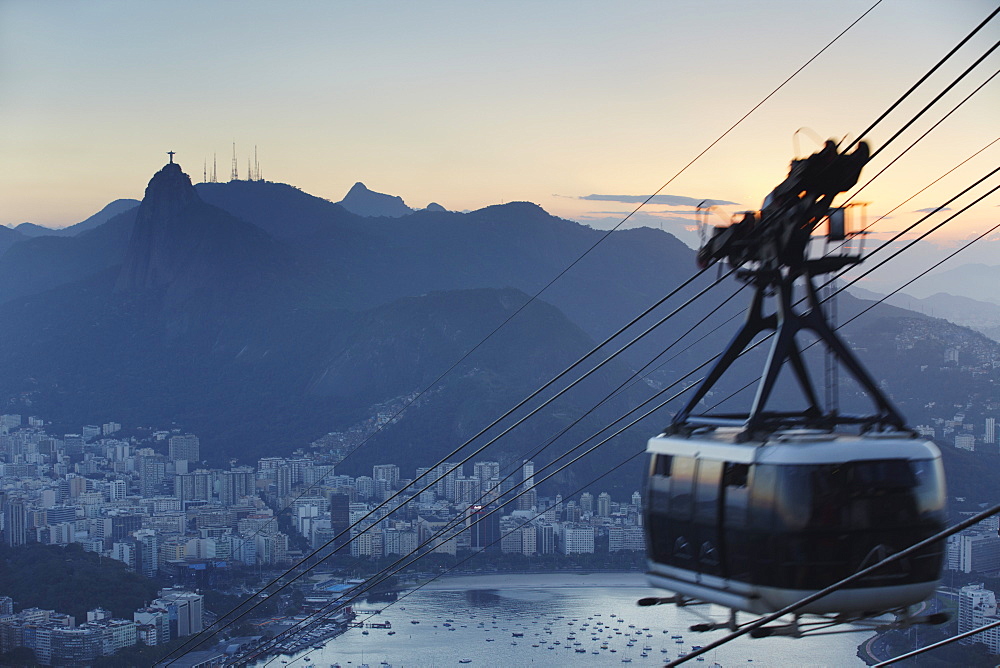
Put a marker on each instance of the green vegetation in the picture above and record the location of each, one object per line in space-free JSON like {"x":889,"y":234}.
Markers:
{"x":71,"y":581}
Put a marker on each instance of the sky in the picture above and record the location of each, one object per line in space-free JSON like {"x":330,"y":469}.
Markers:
{"x":472,"y":104}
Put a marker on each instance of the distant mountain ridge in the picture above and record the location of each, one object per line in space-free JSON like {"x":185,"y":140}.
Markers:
{"x":364,"y":202}
{"x":104,"y":215}
{"x":984,"y":317}
{"x":262,"y":317}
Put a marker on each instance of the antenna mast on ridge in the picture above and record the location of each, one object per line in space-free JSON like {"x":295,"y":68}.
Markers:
{"x":235,"y":176}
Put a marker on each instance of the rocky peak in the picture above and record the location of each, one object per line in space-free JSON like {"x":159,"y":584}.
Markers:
{"x":162,"y":228}
{"x":364,"y":202}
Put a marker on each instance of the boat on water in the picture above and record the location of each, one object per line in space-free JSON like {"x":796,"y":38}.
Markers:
{"x":465,"y":660}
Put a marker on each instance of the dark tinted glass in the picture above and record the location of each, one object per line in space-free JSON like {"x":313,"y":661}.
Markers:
{"x":736,"y":494}
{"x":930,"y":491}
{"x":762,"y":492}
{"x":857,"y":495}
{"x":706,"y":508}
{"x":681,"y":487}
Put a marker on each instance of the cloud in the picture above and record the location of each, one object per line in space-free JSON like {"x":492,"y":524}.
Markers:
{"x":933,"y":209}
{"x":669,"y":213}
{"x":670,"y":200}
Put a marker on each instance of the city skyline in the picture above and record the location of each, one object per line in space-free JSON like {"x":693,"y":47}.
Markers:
{"x":472,"y":106}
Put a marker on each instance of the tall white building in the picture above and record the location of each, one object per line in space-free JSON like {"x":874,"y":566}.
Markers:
{"x":978,"y":607}
{"x":965,"y":442}
{"x":604,"y":504}
{"x":186,"y":447}
{"x":387,"y":472}
{"x":576,"y":540}
{"x":626,"y":538}
{"x":990,"y":433}
{"x":117,"y":490}
{"x":978,"y":552}
{"x":529,"y":495}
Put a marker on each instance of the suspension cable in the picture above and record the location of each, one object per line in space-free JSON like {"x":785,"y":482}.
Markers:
{"x":291,"y":569}
{"x":474,"y":554}
{"x":894,"y":255}
{"x":385,"y":572}
{"x":535,"y":296}
{"x":541,"y":389}
{"x":911,"y":197}
{"x":926,"y":132}
{"x":940,"y":643}
{"x":390,"y":570}
{"x":926,"y":76}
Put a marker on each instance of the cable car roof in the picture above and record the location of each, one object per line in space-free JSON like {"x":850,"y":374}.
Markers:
{"x":794,"y":447}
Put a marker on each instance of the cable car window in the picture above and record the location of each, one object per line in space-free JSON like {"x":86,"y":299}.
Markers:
{"x":762,"y":494}
{"x":736,"y":494}
{"x":681,"y":487}
{"x":794,"y":493}
{"x":929,"y":474}
{"x":661,"y":465}
{"x":706,"y":503}
{"x":658,"y":500}
{"x":855,"y":495}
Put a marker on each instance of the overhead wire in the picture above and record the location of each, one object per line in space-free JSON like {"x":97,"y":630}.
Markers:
{"x":443,"y":531}
{"x":936,"y":99}
{"x":385,"y":572}
{"x":380,"y":577}
{"x":601,"y":239}
{"x":382,"y":574}
{"x":926,"y":76}
{"x":470,"y":556}
{"x":474,"y":453}
{"x":713,"y":145}
{"x":940,"y":643}
{"x":900,"y":155}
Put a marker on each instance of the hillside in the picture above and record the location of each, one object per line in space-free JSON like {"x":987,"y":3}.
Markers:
{"x":261,"y":317}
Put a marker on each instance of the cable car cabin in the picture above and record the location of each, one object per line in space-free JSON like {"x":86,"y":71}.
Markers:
{"x":756,"y":526}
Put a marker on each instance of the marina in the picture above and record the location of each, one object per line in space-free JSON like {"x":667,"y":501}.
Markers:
{"x":562,"y":620}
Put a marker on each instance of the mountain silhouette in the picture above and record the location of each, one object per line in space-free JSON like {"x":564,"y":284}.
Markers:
{"x":261,"y":318}
{"x":368,"y":203}
{"x":180,"y":245}
{"x":104,"y":215}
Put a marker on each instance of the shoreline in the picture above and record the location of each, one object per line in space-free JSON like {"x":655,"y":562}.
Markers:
{"x":555,"y":580}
